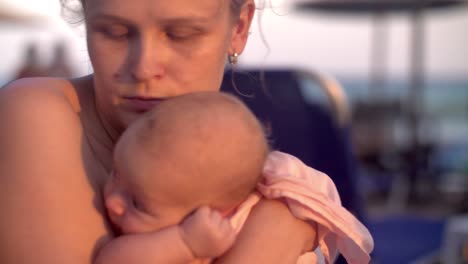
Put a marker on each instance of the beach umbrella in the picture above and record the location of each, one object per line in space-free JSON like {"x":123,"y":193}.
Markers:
{"x":366,"y":6}
{"x":378,"y":9}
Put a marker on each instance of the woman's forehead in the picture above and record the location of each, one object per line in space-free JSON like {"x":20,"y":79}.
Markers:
{"x":157,"y":9}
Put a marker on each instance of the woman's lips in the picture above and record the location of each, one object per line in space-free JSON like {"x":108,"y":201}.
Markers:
{"x":141,"y":104}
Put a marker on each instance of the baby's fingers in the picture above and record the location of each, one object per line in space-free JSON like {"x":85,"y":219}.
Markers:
{"x":221,"y":226}
{"x":227,"y":233}
{"x":225,"y":225}
{"x":204,"y":212}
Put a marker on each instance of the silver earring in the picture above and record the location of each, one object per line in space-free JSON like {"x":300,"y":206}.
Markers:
{"x":233,"y":58}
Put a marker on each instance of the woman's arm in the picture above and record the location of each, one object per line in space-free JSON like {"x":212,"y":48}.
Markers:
{"x":271,"y":235}
{"x":48,"y":204}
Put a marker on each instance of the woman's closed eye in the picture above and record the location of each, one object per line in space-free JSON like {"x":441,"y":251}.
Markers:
{"x":182,"y":34}
{"x":115,"y":32}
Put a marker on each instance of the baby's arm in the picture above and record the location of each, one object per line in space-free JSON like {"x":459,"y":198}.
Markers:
{"x":163,"y":246}
{"x":205,"y":234}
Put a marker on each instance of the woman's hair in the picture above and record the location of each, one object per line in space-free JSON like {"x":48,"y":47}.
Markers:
{"x":72,"y":10}
{"x":236,"y":6}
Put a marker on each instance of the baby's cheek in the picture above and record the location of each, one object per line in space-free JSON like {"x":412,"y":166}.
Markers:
{"x":135,"y":225}
{"x":130,"y":227}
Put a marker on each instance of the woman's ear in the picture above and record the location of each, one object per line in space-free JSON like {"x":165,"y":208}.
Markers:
{"x":240,"y":31}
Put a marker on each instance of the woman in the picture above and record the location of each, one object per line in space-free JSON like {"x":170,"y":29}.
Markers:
{"x":58,"y":135}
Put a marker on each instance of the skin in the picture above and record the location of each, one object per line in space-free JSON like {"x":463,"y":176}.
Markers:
{"x":141,"y":53}
{"x":163,"y":172}
{"x":137,"y":199}
{"x":154,"y":211}
{"x":58,"y":135}
{"x":169,"y":173}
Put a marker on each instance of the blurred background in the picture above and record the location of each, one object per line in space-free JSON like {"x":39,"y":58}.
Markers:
{"x":378,"y":90}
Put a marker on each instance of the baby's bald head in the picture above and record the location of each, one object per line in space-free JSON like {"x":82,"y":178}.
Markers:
{"x":208,"y":145}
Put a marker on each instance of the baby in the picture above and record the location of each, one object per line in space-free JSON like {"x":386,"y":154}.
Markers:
{"x":179,"y":171}
{"x":188,"y":172}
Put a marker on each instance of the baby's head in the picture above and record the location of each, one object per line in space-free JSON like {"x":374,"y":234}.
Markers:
{"x":192,"y":150}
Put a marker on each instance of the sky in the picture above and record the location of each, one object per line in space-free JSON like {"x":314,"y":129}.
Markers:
{"x":336,"y":44}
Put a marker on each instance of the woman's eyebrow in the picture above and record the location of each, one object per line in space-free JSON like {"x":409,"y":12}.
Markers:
{"x":109,"y":17}
{"x":182,"y":20}
{"x":186,"y":20}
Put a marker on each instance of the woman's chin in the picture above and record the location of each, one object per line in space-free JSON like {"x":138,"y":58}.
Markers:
{"x":128,"y":117}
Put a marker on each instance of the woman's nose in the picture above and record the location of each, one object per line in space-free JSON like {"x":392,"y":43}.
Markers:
{"x":147,"y":60}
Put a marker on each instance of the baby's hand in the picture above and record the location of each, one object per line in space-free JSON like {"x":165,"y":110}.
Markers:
{"x":207,"y":233}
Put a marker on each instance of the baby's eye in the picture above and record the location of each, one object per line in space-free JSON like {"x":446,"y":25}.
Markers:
{"x":136,"y":205}
{"x":114,"y":177}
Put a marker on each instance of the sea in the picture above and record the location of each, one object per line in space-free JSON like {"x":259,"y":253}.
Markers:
{"x":444,"y":111}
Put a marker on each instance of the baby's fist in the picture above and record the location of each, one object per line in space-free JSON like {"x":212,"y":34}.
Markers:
{"x":207,"y":233}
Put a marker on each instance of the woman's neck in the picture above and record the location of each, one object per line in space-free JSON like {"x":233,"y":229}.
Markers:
{"x":100,"y":136}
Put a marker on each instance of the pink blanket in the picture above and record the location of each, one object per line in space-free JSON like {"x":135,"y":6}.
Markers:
{"x":311,"y":195}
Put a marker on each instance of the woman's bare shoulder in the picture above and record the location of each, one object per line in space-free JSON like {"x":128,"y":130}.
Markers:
{"x":49,"y":212}
{"x":54,"y":91}
{"x":37,"y":106}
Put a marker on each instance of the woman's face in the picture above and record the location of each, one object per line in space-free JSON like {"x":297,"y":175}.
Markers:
{"x":144,"y":51}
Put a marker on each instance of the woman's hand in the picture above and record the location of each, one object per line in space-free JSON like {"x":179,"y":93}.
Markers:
{"x":271,"y":235}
